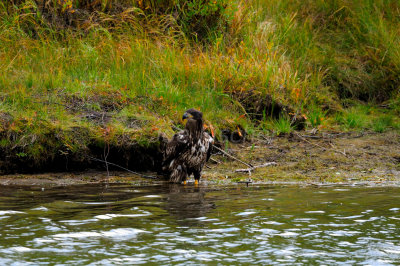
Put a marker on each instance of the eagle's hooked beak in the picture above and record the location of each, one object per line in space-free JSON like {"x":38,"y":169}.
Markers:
{"x":186,"y":115}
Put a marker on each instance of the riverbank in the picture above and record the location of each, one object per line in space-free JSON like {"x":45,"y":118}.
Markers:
{"x":301,"y":158}
{"x":82,"y":82}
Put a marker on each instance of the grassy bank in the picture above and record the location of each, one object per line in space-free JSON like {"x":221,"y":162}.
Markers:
{"x":80,"y":79}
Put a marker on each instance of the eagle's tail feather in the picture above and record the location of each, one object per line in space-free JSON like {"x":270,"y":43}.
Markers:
{"x":178,"y":174}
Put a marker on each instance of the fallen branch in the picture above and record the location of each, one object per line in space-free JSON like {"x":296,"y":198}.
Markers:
{"x":248,"y":170}
{"x":232,"y":157}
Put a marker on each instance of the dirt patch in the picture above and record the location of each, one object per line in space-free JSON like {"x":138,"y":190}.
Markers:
{"x":328,"y":157}
{"x":106,"y":102}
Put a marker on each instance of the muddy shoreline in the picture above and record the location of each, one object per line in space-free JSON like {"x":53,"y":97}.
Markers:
{"x":317,"y":160}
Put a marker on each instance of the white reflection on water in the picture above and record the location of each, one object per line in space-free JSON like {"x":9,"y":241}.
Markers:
{"x":114,"y":234}
{"x":187,"y":225}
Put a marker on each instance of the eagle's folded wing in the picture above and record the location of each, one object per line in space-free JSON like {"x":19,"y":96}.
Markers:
{"x":175,"y":146}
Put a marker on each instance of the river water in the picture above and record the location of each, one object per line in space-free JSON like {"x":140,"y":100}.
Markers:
{"x":174,"y":224}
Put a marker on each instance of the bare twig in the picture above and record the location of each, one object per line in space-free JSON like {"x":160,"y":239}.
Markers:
{"x":255,"y":167}
{"x":123,"y":168}
{"x":105,"y":157}
{"x":215,"y":161}
{"x":319,"y":146}
{"x":357,"y":136}
{"x":232,"y":157}
{"x":267,"y":140}
{"x":323,"y":148}
{"x":311,"y":137}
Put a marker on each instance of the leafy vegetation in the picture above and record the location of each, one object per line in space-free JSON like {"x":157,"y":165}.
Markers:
{"x":79,"y":73}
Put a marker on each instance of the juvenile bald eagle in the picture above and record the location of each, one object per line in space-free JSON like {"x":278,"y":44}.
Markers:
{"x":188,"y":150}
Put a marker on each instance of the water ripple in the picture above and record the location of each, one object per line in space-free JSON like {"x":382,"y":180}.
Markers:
{"x":180,"y":225}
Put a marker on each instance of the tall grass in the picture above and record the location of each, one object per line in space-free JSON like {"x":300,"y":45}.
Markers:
{"x":144,"y":64}
{"x":354,"y":43}
{"x":179,"y":73}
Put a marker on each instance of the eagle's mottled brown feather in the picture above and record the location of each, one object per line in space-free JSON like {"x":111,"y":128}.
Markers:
{"x":188,"y":150}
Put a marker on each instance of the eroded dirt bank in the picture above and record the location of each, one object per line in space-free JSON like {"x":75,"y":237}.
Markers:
{"x":299,"y":157}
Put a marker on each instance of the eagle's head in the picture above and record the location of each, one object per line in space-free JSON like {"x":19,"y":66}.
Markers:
{"x":193,"y":114}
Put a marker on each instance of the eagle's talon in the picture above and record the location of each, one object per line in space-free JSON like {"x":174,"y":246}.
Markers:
{"x":196,"y":182}
{"x":185,"y":182}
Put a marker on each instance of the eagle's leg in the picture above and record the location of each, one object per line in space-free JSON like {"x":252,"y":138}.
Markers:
{"x":189,"y":172}
{"x":197,"y":176}
{"x":184,"y":178}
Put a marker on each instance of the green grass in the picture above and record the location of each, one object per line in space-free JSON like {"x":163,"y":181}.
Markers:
{"x":382,"y":124}
{"x":316,"y":116}
{"x":354,"y":118}
{"x":282,"y":125}
{"x":368,"y":117}
{"x":143,"y":68}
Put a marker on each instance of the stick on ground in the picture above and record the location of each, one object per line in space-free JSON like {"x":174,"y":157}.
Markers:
{"x":232,"y":157}
{"x":248,"y":170}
